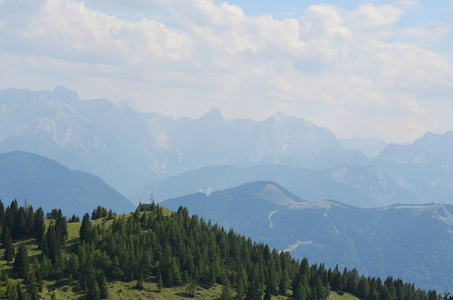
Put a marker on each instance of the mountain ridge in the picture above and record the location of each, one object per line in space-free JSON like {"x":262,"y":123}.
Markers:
{"x":129,"y":149}
{"x":47,"y":184}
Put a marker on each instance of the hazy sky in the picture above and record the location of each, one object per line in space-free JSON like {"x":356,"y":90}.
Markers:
{"x":359,"y":68}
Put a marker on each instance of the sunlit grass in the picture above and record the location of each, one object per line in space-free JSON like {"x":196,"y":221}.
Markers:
{"x":345,"y":296}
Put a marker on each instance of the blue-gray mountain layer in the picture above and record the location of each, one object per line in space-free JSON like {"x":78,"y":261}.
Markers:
{"x":45,"y":183}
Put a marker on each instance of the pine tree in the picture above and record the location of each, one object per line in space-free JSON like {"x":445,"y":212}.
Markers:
{"x":139,"y":284}
{"x":363,"y":288}
{"x":284,"y":282}
{"x":241,"y":283}
{"x":255,"y":289}
{"x":31,"y":284}
{"x":300,"y":293}
{"x":159,"y":282}
{"x":267,"y":293}
{"x":20,"y":292}
{"x":353,"y":281}
{"x":73,"y":265}
{"x":85,"y":231}
{"x":11,"y":290}
{"x":226,"y":291}
{"x":8,"y":244}
{"x":51,"y":247}
{"x":18,"y":230}
{"x":93,"y":293}
{"x":39,"y":228}
{"x":102,"y":283}
{"x":21,"y":262}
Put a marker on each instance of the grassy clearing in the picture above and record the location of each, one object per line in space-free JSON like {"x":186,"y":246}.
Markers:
{"x":345,"y":296}
{"x":127,"y":290}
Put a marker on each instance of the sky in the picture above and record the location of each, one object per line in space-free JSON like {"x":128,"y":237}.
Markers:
{"x":360,"y":68}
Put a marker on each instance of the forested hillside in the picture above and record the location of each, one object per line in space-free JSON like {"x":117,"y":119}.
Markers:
{"x":412,"y":242}
{"x":154,"y":246}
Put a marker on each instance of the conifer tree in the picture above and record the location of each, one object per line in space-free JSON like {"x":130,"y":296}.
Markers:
{"x":284,"y":282}
{"x":11,"y":290}
{"x":267,"y":293}
{"x":51,"y":247}
{"x":159,"y":282}
{"x":227,"y":293}
{"x":140,"y":279}
{"x":20,"y":292}
{"x":21,"y":263}
{"x":363,"y":288}
{"x":39,"y":227}
{"x":102,"y":283}
{"x":85,"y":229}
{"x":8,"y":244}
{"x":93,"y":293}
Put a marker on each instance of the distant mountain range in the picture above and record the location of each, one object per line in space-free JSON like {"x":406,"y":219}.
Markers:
{"x":140,"y":153}
{"x":308,"y":184}
{"x":129,"y":149}
{"x":405,"y":241}
{"x":44,"y":183}
{"x":371,"y":147}
{"x":382,"y":183}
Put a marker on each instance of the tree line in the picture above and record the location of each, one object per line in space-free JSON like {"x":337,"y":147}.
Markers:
{"x":172,"y":250}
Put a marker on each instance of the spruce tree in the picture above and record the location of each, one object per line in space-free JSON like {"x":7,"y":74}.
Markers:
{"x":227,"y":293}
{"x":21,"y":263}
{"x":85,"y":231}
{"x":8,"y":244}
{"x":284,"y":283}
{"x":159,"y":282}
{"x":102,"y":283}
{"x":93,"y":293}
{"x":11,"y":290}
{"x":39,"y":228}
{"x":21,"y":295}
{"x":139,"y":285}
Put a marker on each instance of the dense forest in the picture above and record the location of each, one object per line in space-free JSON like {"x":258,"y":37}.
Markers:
{"x":171,"y":249}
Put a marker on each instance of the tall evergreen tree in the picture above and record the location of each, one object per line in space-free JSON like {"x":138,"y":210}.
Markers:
{"x":21,"y":263}
{"x":8,"y":244}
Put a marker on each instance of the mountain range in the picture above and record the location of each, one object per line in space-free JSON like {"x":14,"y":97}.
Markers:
{"x":306,"y":183}
{"x":129,"y":149}
{"x":137,"y":153}
{"x":412,"y":242}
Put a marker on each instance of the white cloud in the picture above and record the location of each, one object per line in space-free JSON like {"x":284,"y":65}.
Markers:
{"x":411,"y":4}
{"x":374,"y":21}
{"x":429,"y":31}
{"x":331,"y":65}
{"x":219,"y":15}
{"x":371,"y":16}
{"x":409,"y":67}
{"x":69,"y":30}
